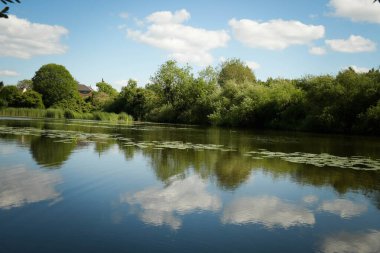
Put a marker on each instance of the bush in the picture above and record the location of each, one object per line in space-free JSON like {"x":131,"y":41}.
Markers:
{"x":11,"y":95}
{"x":31,"y":99}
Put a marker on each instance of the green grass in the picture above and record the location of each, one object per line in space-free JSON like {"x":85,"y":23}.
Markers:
{"x":64,"y":114}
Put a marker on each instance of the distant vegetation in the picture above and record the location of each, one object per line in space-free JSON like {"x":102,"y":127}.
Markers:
{"x":229,"y":95}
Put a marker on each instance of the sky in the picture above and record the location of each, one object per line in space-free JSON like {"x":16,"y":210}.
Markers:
{"x":116,"y":40}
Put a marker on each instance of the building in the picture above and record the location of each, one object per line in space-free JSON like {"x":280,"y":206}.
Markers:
{"x":85,"y":91}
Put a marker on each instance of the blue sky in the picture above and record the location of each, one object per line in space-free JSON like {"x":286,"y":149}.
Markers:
{"x":121,"y":39}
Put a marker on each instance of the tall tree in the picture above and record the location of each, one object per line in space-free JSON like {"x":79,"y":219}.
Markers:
{"x":56,"y":85}
{"x":235,"y":69}
{"x":168,"y":80}
{"x":106,"y":88}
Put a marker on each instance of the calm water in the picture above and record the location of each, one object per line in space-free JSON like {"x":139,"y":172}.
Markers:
{"x":88,"y":187}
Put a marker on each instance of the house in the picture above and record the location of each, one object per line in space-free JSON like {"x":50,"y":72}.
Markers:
{"x":84,"y":90}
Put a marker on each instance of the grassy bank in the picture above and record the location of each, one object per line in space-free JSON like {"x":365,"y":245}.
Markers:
{"x":64,"y":114}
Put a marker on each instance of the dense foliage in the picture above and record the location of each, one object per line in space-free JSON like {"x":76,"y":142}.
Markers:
{"x":227,"y":96}
{"x":57,"y":87}
{"x":13,"y":97}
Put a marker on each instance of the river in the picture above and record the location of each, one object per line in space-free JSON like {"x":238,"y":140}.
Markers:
{"x":82,"y":186}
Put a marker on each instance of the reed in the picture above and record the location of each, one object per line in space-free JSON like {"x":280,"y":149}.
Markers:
{"x":23,"y":112}
{"x":64,"y":114}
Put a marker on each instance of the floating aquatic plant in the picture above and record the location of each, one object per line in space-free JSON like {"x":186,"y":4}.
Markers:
{"x":320,"y":160}
{"x":63,"y":136}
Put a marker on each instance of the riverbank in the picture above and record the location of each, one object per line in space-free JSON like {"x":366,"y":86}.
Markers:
{"x":64,"y":114}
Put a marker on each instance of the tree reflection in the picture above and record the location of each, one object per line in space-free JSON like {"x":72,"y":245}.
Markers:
{"x":49,"y":153}
{"x":228,"y":166}
{"x":232,"y":170}
{"x":341,"y":180}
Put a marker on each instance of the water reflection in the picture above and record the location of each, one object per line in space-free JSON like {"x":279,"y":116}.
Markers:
{"x":49,"y":153}
{"x":7,"y":150}
{"x":310,"y":199}
{"x":364,"y":242}
{"x":20,"y":186}
{"x":216,"y":154}
{"x":344,"y":208}
{"x":195,"y":181}
{"x":159,"y":206}
{"x":269,"y":211}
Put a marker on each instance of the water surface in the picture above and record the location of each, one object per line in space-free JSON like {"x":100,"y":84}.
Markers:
{"x":81,"y":186}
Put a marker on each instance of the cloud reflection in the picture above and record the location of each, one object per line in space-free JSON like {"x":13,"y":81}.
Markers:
{"x":344,"y":208}
{"x":267,"y":210}
{"x":367,"y":242}
{"x":159,"y":206}
{"x":310,"y":199}
{"x":20,"y":186}
{"x":7,"y":150}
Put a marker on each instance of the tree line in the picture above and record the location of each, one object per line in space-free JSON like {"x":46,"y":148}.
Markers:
{"x":229,"y":95}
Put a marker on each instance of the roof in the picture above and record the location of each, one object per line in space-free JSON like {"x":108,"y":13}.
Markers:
{"x":82,"y":87}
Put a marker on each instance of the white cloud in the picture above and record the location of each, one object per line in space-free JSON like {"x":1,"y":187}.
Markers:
{"x":185,"y":44}
{"x":160,"y":206}
{"x":20,"y":186}
{"x":344,"y":208}
{"x":352,"y":243}
{"x":22,"y":39}
{"x":275,"y":34}
{"x":359,"y":69}
{"x":6,"y":72}
{"x":317,"y":51}
{"x":356,"y":10}
{"x":354,"y":44}
{"x":124,"y":15}
{"x":167,"y":17}
{"x":267,"y":210}
{"x":252,"y":65}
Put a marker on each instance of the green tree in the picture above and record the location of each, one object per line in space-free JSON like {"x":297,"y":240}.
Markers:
{"x":168,"y":79}
{"x":57,"y":87}
{"x":25,"y":84}
{"x":11,"y":95}
{"x":15,"y":98}
{"x":106,"y":88}
{"x":101,"y":101}
{"x":209,"y":75}
{"x":235,"y":69}
{"x":134,"y":100}
{"x":31,"y":99}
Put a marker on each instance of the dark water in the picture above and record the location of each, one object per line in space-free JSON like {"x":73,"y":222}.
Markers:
{"x":88,"y":187}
